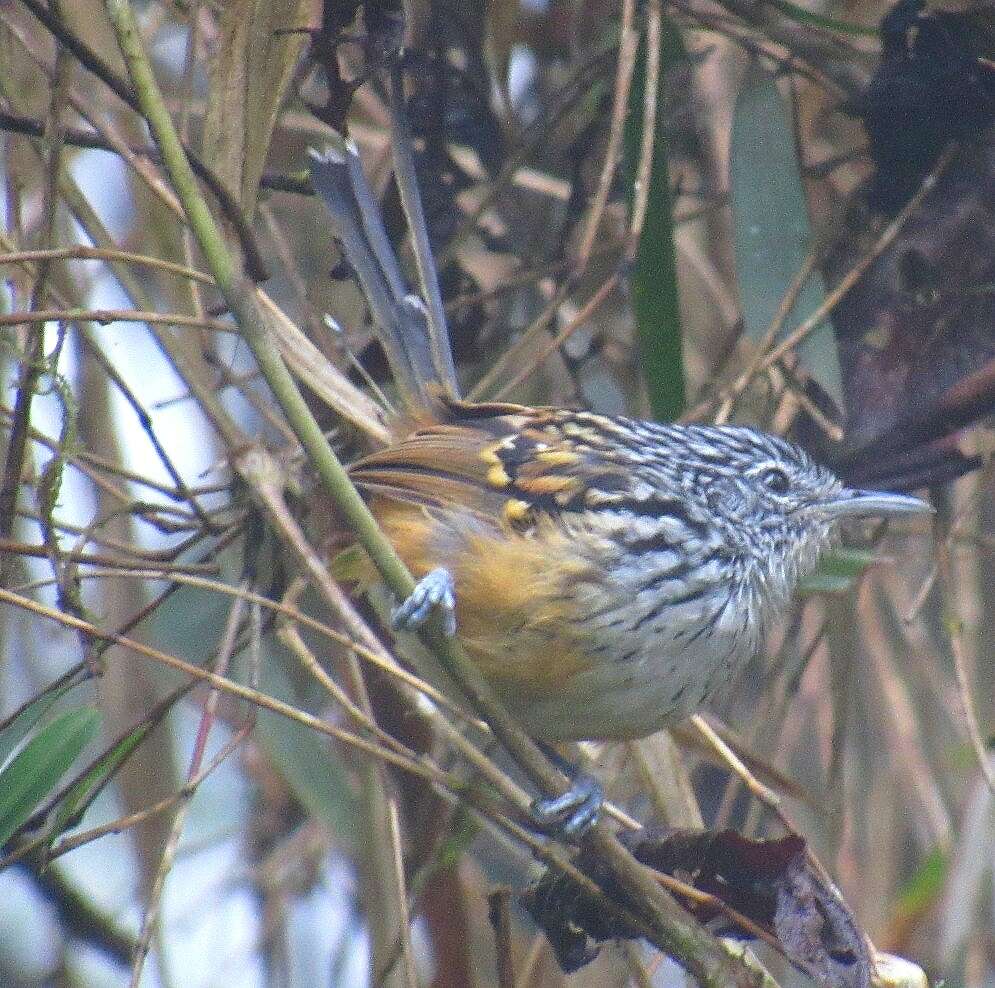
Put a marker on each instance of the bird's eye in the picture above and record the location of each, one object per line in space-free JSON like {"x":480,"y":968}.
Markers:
{"x":775,"y":480}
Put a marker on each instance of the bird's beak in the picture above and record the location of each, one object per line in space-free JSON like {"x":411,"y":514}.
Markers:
{"x":860,"y":504}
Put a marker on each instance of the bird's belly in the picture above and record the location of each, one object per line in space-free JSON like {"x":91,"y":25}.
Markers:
{"x":629,"y":697}
{"x":595,"y":644}
{"x":641,"y":674}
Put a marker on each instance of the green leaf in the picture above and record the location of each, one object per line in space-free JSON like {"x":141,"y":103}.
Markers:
{"x":15,"y":730}
{"x":36,"y":770}
{"x":80,"y":794}
{"x":847,"y":561}
{"x":655,"y":296}
{"x":837,"y":572}
{"x":824,"y":583}
{"x":82,"y":791}
{"x":772,"y":234}
{"x":926,"y":885}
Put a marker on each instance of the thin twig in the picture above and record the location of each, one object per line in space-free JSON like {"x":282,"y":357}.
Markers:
{"x":770,"y":335}
{"x":883,"y":242}
{"x":33,"y":365}
{"x":83,"y":253}
{"x":404,"y":932}
{"x":105,"y":316}
{"x":181,"y":491}
{"x":756,"y":787}
{"x":644,"y":167}
{"x":696,"y":895}
{"x":99,"y":559}
{"x":625,"y":66}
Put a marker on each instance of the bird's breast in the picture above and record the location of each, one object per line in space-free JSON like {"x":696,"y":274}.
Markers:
{"x":605,"y":627}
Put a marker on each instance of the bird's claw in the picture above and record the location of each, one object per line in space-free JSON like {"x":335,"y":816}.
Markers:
{"x":435,"y":589}
{"x":575,"y":812}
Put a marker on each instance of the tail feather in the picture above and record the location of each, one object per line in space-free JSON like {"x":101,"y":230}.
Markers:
{"x":422,"y":369}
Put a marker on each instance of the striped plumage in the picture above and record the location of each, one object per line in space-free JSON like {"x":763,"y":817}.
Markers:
{"x":610,"y":573}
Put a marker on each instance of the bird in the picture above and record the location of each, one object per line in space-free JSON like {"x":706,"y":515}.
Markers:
{"x":607,"y":575}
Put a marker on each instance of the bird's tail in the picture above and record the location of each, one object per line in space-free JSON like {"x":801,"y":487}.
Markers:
{"x":414,"y":336}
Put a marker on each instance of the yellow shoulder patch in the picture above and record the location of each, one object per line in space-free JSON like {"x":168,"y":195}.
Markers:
{"x":558,"y":457}
{"x":518,"y":514}
{"x":497,"y":476}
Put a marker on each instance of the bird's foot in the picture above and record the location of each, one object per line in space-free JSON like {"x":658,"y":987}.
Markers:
{"x":575,"y":812}
{"x":435,"y":589}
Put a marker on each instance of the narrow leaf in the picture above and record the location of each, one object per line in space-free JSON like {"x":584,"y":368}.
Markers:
{"x":15,"y":730}
{"x":81,"y":791}
{"x":772,"y":234}
{"x":655,"y":295}
{"x":837,"y":571}
{"x":922,"y":890}
{"x":80,"y":794}
{"x":37,"y":769}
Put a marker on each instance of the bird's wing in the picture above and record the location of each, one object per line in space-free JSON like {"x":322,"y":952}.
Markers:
{"x":495,"y":460}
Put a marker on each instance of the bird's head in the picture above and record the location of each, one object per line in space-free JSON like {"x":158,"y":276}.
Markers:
{"x":772,"y":504}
